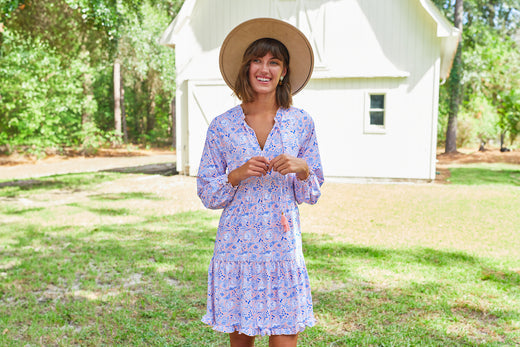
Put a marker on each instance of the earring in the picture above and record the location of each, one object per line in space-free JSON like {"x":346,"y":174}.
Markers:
{"x":281,"y":81}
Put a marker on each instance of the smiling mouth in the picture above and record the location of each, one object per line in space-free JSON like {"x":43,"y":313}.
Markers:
{"x":263,"y":79}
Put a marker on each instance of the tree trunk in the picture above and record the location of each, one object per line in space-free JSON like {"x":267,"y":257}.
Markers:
{"x":454,"y":84}
{"x":150,"y":119}
{"x":117,"y":100}
{"x":123,"y":113}
{"x":482,"y":146}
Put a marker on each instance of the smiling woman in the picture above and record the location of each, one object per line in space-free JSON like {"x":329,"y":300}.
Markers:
{"x":260,"y":161}
{"x":263,"y":70}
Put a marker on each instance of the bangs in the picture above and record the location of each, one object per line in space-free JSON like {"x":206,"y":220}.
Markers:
{"x":261,"y":47}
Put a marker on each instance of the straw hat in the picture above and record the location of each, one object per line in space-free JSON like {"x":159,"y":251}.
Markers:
{"x":237,"y":41}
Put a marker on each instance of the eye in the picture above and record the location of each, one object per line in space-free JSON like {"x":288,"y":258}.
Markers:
{"x":275,"y":62}
{"x":255,"y":60}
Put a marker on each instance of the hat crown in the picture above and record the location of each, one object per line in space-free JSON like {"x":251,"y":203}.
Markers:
{"x":236,"y":42}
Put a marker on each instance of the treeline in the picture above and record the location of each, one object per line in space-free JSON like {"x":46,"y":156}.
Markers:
{"x":483,"y":90}
{"x":60,"y":61}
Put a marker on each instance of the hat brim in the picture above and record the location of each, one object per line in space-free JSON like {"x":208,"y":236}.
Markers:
{"x":236,"y":42}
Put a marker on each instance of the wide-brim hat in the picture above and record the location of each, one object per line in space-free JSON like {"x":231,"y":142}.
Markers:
{"x":236,"y":42}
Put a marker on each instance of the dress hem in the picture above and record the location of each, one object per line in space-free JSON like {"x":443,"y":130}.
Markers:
{"x":301,"y":326}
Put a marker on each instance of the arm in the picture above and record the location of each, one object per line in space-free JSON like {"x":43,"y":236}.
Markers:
{"x":308,"y":190}
{"x":213,"y":187}
{"x":306,"y":166}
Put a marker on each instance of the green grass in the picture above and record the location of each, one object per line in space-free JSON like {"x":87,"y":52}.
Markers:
{"x":84,"y":267}
{"x":70,"y":182}
{"x":486,"y":174}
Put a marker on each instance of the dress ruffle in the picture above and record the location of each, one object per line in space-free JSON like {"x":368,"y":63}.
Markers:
{"x":259,"y":298}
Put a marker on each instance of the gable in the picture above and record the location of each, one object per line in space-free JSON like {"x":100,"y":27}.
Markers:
{"x":350,"y":38}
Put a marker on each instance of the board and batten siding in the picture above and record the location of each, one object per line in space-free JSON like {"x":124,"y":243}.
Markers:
{"x":361,"y":47}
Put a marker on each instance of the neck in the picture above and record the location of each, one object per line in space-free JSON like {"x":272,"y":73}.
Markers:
{"x":261,"y":104}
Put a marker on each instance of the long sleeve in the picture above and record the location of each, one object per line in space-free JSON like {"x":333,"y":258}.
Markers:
{"x":213,"y":187}
{"x":308,"y":190}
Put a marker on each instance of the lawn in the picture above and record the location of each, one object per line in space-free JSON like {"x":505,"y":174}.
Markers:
{"x":121,"y":259}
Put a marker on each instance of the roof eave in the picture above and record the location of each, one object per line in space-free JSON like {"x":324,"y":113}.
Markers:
{"x":169,"y":36}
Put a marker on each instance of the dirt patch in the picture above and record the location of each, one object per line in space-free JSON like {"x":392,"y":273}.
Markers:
{"x":152,"y":161}
{"x":67,"y":154}
{"x":469,"y":156}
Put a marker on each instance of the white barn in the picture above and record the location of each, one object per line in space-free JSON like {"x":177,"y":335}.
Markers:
{"x":373,"y":94}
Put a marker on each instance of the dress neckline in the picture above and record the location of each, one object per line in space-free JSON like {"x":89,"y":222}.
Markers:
{"x":277,"y":119}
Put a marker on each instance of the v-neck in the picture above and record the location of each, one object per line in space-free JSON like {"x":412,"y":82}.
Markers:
{"x":253,"y":133}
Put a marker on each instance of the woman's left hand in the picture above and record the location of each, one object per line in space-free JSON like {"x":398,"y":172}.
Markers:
{"x":285,"y":163}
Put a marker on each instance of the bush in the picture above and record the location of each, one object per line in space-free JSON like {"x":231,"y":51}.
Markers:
{"x":40,"y":100}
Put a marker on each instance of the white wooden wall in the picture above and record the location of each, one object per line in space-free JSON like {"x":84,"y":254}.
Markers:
{"x":360,"y":46}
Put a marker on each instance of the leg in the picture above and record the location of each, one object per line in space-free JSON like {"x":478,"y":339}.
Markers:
{"x":283,"y":340}
{"x":241,"y":340}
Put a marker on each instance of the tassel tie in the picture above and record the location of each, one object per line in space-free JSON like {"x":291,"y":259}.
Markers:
{"x":285,"y":223}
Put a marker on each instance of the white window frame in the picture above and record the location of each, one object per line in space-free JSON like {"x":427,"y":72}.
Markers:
{"x":372,"y":128}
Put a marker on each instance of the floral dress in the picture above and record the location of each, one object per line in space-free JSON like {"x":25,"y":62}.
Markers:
{"x":257,"y":279}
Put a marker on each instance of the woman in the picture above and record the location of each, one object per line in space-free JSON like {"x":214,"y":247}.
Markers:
{"x":260,"y":160}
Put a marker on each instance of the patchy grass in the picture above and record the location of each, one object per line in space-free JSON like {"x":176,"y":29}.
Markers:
{"x":486,"y":174}
{"x":93,"y":261}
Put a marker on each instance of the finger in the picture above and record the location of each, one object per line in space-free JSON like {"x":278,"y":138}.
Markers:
{"x":276,"y":162}
{"x":283,"y":162}
{"x":263,"y":160}
{"x":284,"y":168}
{"x":259,"y":168}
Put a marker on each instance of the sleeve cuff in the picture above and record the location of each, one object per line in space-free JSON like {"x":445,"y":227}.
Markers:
{"x":227,"y":184}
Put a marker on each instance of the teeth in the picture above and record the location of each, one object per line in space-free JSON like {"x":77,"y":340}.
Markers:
{"x":263,"y":79}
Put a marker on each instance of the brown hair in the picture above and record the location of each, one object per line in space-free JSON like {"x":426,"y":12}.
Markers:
{"x":260,"y":48}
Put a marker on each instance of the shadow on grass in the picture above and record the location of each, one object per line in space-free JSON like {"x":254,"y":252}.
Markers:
{"x":145,"y":284}
{"x":126,"y":196}
{"x":484,"y":176}
{"x":20,"y":211}
{"x":415,"y":301}
{"x":128,"y":284}
{"x":164,"y":169}
{"x":67,"y":182}
{"x":428,"y":256}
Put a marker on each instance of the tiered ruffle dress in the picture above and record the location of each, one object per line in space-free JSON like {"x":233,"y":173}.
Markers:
{"x":257,"y":279}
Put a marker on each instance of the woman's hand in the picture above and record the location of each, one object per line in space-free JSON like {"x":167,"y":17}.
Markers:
{"x":285,"y":163}
{"x":256,"y":166}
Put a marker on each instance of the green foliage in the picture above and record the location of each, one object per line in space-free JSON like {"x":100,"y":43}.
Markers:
{"x":509,"y":111}
{"x":57,"y":72}
{"x":9,"y":6}
{"x":40,"y":101}
{"x":481,"y":118}
{"x":148,"y":76}
{"x":491,"y":64}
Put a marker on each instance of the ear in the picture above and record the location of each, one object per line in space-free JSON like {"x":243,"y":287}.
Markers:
{"x":284,"y":72}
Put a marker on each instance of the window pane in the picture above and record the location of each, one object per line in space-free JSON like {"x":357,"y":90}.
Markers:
{"x":377,"y":101}
{"x":377,"y":118}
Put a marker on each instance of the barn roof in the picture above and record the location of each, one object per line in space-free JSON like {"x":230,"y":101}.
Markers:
{"x":448,"y":34}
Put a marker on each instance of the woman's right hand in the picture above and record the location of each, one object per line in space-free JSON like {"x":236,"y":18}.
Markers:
{"x":256,"y":166}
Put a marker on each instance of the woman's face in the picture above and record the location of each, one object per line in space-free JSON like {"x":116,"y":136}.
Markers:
{"x":265,"y":73}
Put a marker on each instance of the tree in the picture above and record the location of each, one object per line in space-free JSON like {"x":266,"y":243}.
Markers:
{"x":455,"y":86}
{"x":56,"y":72}
{"x":489,"y":68}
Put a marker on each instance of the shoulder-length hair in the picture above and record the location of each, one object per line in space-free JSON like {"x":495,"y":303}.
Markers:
{"x":257,"y":49}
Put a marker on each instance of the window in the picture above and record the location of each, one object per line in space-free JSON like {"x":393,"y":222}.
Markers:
{"x":375,"y":120}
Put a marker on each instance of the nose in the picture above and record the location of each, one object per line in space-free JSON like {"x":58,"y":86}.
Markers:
{"x":265,"y":66}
